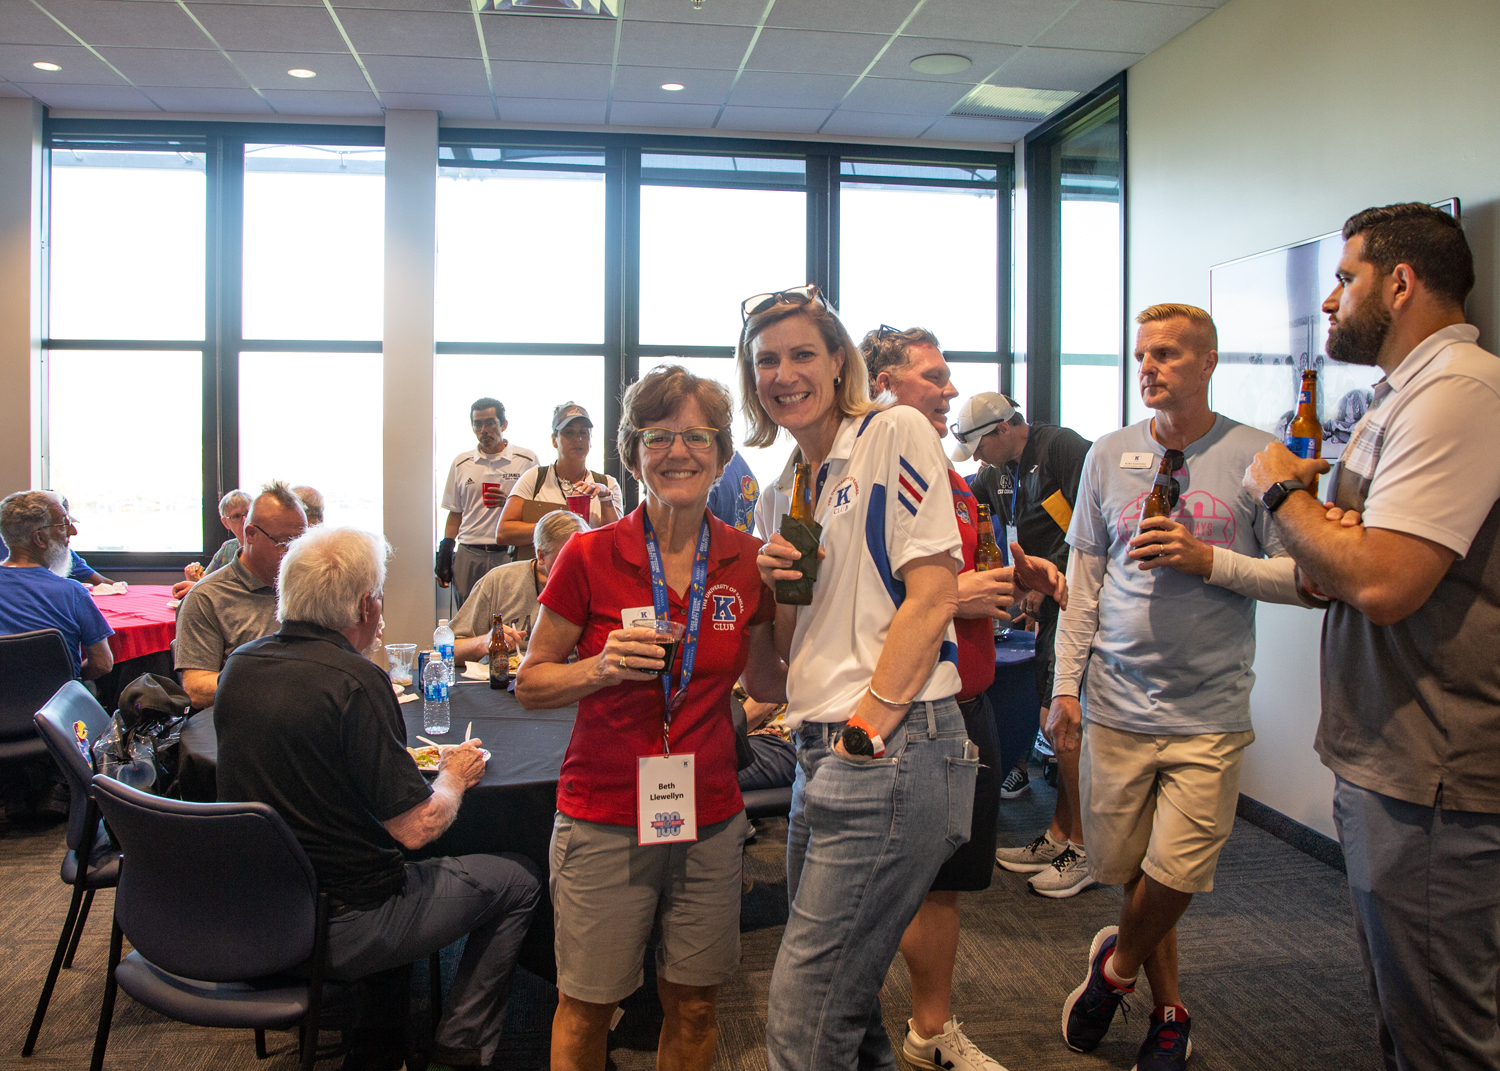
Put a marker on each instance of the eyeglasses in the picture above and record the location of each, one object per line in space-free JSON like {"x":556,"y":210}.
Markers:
{"x":797,"y":295}
{"x":485,"y":425}
{"x":693,"y":438}
{"x":885,"y":330}
{"x":973,"y":433}
{"x":282,"y":543}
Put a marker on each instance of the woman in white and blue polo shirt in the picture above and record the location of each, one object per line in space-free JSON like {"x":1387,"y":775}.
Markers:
{"x":885,"y":775}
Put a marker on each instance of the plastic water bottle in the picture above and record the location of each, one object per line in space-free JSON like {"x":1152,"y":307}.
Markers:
{"x":442,"y":643}
{"x":434,"y":698}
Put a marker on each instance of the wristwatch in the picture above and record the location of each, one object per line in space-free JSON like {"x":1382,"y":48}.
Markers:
{"x":860,"y":738}
{"x":1277,"y":493}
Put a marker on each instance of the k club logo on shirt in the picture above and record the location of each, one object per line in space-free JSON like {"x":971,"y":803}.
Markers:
{"x":843,"y":496}
{"x":726,"y":605}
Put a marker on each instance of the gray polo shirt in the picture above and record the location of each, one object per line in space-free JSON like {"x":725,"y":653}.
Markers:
{"x":225,"y":609}
{"x":510,"y":591}
{"x":1413,"y":708}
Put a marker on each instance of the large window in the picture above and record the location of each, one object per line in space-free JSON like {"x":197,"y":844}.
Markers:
{"x":1075,"y":279}
{"x":224,"y":282}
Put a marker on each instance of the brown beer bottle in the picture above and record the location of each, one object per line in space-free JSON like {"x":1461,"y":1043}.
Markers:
{"x":1159,"y":502}
{"x":1304,"y":436}
{"x":800,"y":530}
{"x":987,"y":554}
{"x":499,"y":655}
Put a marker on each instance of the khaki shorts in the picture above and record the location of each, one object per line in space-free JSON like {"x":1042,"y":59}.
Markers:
{"x":608,"y":893}
{"x":1159,"y":804}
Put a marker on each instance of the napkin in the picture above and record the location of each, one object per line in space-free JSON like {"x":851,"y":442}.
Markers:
{"x":110,"y":589}
{"x":409,"y":697}
{"x":475,"y":671}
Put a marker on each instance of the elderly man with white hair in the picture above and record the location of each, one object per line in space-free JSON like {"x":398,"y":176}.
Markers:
{"x":307,"y":724}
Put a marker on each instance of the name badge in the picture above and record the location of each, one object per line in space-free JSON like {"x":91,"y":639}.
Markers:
{"x":634,"y":615}
{"x":666,"y":806}
{"x":1132,"y":460}
{"x":1012,"y":535}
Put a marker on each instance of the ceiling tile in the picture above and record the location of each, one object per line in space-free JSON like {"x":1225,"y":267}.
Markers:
{"x":460,"y":7}
{"x":557,"y":81}
{"x":645,"y":84}
{"x":542,"y":112}
{"x":761,"y":89}
{"x":814,"y":50}
{"x":8,"y":90}
{"x":307,"y":102}
{"x":896,"y":63}
{"x":661,"y":44}
{"x":776,"y":120}
{"x":519,"y":37}
{"x":267,"y":70}
{"x":447,"y":105}
{"x":911,"y":98}
{"x":714,"y":13}
{"x":260,"y":3}
{"x":175,"y":67}
{"x":633,"y":113}
{"x":260,"y":28}
{"x":176,"y":99}
{"x":117,"y":97}
{"x":79,"y":65}
{"x":1062,"y":68}
{"x":25,"y":25}
{"x":135,"y":23}
{"x":1120,"y":25}
{"x":983,"y":131}
{"x":875,"y":125}
{"x":865,"y":16}
{"x":1006,"y":22}
{"x":422,"y":74}
{"x":410,"y":33}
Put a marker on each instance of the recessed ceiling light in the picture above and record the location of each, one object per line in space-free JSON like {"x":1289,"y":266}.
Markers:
{"x":673,"y":87}
{"x":302,"y":72}
{"x":940,"y":63}
{"x":43,"y":65}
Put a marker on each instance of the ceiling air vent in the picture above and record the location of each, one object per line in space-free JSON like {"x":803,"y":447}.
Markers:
{"x":579,"y":9}
{"x":1012,"y":102}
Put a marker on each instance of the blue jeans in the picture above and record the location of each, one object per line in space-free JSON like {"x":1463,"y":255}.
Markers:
{"x":865,"y":839}
{"x":1426,"y":889}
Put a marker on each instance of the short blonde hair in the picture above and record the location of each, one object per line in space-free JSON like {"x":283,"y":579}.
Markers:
{"x":1203,"y":323}
{"x":852,"y":394}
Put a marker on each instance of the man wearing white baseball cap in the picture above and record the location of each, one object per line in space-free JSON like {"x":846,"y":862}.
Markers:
{"x":1031,"y":483}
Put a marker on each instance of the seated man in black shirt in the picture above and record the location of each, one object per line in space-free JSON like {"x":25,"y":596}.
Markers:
{"x":310,"y":726}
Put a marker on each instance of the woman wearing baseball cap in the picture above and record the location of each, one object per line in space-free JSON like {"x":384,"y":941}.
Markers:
{"x":567,"y":483}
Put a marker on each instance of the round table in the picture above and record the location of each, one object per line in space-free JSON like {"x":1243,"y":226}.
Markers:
{"x":510,"y":810}
{"x":145,"y":623}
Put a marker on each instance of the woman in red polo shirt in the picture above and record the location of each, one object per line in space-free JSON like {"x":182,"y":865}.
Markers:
{"x":652,"y":756}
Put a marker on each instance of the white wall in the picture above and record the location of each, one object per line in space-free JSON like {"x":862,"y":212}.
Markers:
{"x":20,"y":292}
{"x":1272,"y":121}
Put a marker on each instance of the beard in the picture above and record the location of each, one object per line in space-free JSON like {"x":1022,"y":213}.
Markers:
{"x":1359,"y":339}
{"x":58,"y":559}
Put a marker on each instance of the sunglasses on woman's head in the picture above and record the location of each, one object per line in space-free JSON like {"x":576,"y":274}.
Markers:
{"x":797,"y":295}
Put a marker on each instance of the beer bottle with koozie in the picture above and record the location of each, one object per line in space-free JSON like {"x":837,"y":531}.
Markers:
{"x":1304,"y":436}
{"x":499,"y":655}
{"x":800,"y":530}
{"x":987,"y":553}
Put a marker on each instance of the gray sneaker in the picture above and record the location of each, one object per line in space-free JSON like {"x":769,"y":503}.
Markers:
{"x":1031,"y":858}
{"x":1067,"y":876}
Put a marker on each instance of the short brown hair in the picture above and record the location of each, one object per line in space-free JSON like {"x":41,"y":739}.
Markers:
{"x":1424,"y":237}
{"x":1201,"y":320}
{"x":851,"y":396}
{"x":886,"y":350}
{"x":656,"y":396}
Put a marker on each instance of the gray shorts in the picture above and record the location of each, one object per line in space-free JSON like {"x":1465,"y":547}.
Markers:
{"x":608,"y":892}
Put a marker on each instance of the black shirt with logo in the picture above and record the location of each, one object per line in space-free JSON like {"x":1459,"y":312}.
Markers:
{"x":1049,"y":466}
{"x":311,"y":727}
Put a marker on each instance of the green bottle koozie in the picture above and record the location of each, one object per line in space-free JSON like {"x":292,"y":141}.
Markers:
{"x":806,"y":537}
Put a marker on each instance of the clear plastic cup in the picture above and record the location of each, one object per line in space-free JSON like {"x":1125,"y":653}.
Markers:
{"x":401,"y":656}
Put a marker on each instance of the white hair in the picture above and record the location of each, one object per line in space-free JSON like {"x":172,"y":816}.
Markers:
{"x":232,"y":499}
{"x":326,"y":573}
{"x":555,"y":529}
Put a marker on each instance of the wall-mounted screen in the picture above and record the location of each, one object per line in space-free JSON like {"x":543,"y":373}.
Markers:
{"x":1268,"y":309}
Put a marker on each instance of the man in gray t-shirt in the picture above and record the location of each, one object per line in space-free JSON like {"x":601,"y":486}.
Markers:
{"x":1157,"y":642}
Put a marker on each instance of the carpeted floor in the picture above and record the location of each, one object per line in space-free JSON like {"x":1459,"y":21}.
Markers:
{"x":1270,"y":972}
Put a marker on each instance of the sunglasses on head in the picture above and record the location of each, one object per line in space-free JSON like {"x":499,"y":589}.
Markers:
{"x":797,"y":295}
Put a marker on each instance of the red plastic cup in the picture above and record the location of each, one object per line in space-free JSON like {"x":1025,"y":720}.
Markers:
{"x":493,"y":494}
{"x":580,"y":504}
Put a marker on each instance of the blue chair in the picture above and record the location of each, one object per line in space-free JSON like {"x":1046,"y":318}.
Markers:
{"x":223,"y":910}
{"x":91,"y":862}
{"x":33,"y":666}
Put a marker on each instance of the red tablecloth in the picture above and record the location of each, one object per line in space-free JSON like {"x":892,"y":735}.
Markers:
{"x":142,"y":618}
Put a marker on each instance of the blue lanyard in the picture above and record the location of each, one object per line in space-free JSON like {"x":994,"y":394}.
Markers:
{"x":659,"y":602}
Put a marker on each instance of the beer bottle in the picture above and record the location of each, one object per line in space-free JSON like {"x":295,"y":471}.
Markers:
{"x":800,"y":530}
{"x":1159,"y":502}
{"x":499,"y":655}
{"x":987,"y":554}
{"x":1304,"y":436}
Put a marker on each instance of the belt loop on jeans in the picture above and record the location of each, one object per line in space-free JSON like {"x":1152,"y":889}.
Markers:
{"x":931,"y":720}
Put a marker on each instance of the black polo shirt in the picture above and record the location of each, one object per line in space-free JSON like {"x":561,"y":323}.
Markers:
{"x":1049,"y":467}
{"x":311,"y":727}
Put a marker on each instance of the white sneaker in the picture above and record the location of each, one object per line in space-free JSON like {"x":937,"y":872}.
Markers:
{"x":1033,"y":857}
{"x":1067,"y":876}
{"x":949,"y":1051}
